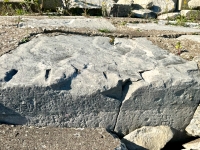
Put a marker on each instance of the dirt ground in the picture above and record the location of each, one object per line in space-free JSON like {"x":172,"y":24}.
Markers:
{"x":20,"y":137}
{"x":49,"y":138}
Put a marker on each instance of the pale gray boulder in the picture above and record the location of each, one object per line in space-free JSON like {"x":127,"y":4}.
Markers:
{"x":194,"y":4}
{"x":125,"y":2}
{"x":143,"y":13}
{"x":152,"y":138}
{"x":80,"y":81}
{"x":166,"y":95}
{"x":164,"y":6}
{"x":192,"y":145}
{"x":193,"y":127}
{"x":191,"y":14}
{"x":145,"y":4}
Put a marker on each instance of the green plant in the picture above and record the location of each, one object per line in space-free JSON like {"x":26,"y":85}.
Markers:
{"x":178,"y":47}
{"x":104,"y":30}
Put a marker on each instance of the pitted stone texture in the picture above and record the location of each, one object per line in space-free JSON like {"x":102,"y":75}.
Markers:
{"x":194,"y":4}
{"x":193,"y":127}
{"x":192,"y":145}
{"x":80,"y":81}
{"x":164,"y":6}
{"x":152,"y":138}
{"x":161,"y":97}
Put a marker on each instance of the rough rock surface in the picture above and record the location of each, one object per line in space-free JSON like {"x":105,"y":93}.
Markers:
{"x":143,"y":13}
{"x":193,"y":127}
{"x":160,"y":95}
{"x":31,"y":138}
{"x":79,"y":81}
{"x":194,"y":4}
{"x":168,"y":16}
{"x":163,"y":6}
{"x":145,"y":4}
{"x":125,"y":2}
{"x":193,"y":145}
{"x":152,"y":138}
{"x":191,"y":14}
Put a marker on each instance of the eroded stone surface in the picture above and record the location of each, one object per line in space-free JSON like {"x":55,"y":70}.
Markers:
{"x":152,"y":138}
{"x":80,"y":81}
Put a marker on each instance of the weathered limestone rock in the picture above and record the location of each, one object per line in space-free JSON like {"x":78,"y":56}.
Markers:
{"x":191,"y":14}
{"x":193,"y":127}
{"x":168,"y":16}
{"x":193,"y":145}
{"x":145,"y":4}
{"x":194,"y":4}
{"x":163,"y":6}
{"x":152,"y":138}
{"x":125,"y":2}
{"x":80,"y":81}
{"x":143,"y":13}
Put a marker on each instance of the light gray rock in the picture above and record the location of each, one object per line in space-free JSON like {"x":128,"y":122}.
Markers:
{"x":193,"y":127}
{"x":152,"y":138}
{"x":160,"y":95}
{"x":143,"y":13}
{"x":161,"y":26}
{"x":168,"y":16}
{"x":194,"y":4}
{"x":145,"y":4}
{"x":164,"y":6}
{"x":193,"y":145}
{"x":191,"y":14}
{"x":195,"y":38}
{"x":89,"y":4}
{"x":79,"y":22}
{"x":125,"y":2}
{"x":80,"y":81}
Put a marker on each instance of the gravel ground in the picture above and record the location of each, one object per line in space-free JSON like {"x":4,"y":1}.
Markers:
{"x":21,"y":137}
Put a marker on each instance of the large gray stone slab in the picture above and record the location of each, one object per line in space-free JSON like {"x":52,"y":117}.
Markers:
{"x":166,"y":95}
{"x":161,"y":26}
{"x":80,"y":81}
{"x":80,"y":22}
{"x":195,"y":38}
